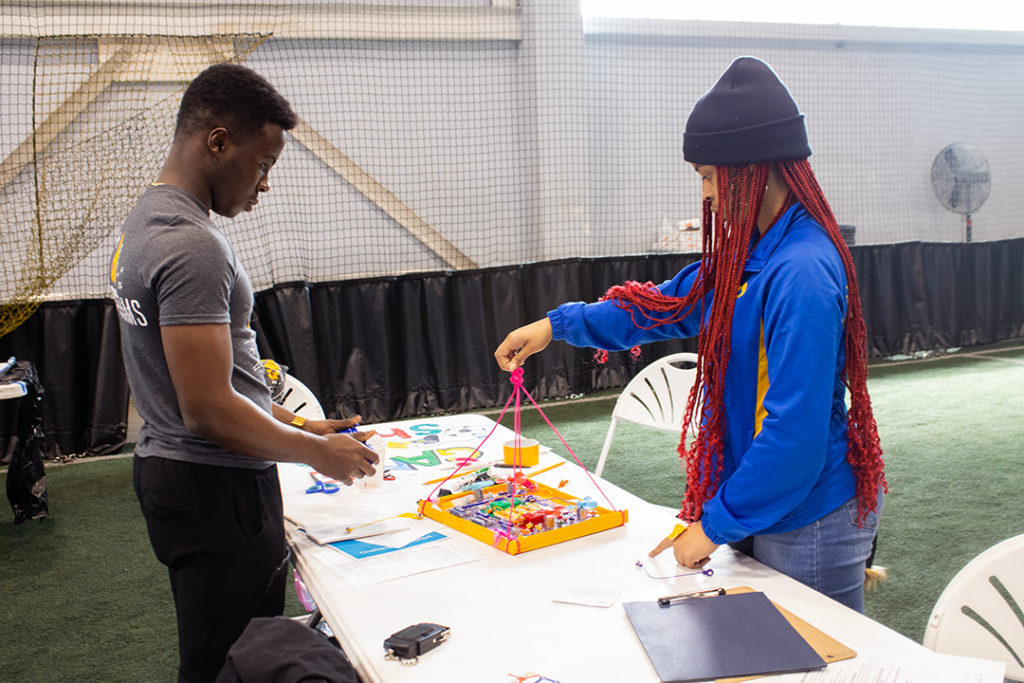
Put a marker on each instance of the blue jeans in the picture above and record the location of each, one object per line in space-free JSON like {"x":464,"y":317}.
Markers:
{"x":828,"y":555}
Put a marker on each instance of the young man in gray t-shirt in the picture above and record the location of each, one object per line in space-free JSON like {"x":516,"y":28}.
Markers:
{"x":204,"y":463}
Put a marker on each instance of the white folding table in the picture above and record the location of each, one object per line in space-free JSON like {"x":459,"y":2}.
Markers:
{"x":501,"y":610}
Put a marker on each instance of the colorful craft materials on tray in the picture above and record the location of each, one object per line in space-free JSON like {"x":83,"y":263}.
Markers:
{"x":516,"y":514}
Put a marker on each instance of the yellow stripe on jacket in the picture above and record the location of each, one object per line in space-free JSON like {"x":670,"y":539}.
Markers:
{"x":762,"y":384}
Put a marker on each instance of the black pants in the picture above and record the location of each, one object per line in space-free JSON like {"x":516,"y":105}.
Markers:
{"x":220,"y":532}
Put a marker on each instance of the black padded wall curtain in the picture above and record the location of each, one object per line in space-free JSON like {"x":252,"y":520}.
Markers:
{"x":75,"y":347}
{"x":397,"y":347}
{"x":920,"y":296}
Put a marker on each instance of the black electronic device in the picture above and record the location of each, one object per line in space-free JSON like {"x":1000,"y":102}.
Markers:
{"x":408,"y":644}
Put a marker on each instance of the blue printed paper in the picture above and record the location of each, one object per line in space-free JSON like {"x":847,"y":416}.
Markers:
{"x":360,"y":548}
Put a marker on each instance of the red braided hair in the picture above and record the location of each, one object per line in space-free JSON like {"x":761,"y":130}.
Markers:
{"x":726,"y":241}
{"x":863,"y":449}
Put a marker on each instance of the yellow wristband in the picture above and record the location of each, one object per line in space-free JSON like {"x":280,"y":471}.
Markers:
{"x":298,"y":421}
{"x":677,"y":530}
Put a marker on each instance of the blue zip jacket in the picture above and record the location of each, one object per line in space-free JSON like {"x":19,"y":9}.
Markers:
{"x":785,"y":409}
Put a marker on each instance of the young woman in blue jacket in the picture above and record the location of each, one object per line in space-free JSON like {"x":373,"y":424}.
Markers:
{"x":779,"y":467}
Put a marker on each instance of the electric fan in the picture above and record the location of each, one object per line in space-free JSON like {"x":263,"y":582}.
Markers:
{"x":961,"y":180}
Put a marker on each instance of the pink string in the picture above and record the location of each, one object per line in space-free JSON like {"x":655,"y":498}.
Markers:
{"x":475,"y":450}
{"x":607,"y":500}
{"x":517,"y":383}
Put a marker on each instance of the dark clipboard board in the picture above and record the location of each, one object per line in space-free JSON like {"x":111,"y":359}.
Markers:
{"x":738,"y":634}
{"x":830,"y":649}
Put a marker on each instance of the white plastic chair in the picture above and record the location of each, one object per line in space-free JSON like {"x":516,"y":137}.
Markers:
{"x":980,"y":612}
{"x":300,"y":400}
{"x":655,"y":398}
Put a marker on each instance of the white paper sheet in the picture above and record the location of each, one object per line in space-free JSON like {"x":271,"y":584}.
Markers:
{"x":326,"y":520}
{"x":416,"y":560}
{"x":940,"y":669}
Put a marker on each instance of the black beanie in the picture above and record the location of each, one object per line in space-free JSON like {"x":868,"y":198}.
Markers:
{"x":747,"y":117}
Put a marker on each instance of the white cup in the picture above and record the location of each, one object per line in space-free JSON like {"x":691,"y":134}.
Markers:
{"x":377,"y":444}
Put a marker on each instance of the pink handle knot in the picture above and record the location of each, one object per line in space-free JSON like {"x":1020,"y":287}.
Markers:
{"x":517,"y":377}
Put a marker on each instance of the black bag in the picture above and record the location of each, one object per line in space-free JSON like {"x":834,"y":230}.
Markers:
{"x":26,"y":479}
{"x":280,"y":650}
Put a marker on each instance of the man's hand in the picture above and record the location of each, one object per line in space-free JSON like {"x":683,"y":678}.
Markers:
{"x":346,"y":458}
{"x":327,"y":427}
{"x":692,"y":548}
{"x":522,"y":343}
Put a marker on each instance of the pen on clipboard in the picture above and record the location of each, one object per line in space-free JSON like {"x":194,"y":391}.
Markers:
{"x":689,"y":595}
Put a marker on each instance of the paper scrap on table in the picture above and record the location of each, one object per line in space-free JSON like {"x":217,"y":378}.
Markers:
{"x":936,"y":669}
{"x":593,"y":596}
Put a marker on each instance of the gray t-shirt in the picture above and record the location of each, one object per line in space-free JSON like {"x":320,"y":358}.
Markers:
{"x":173,"y":266}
